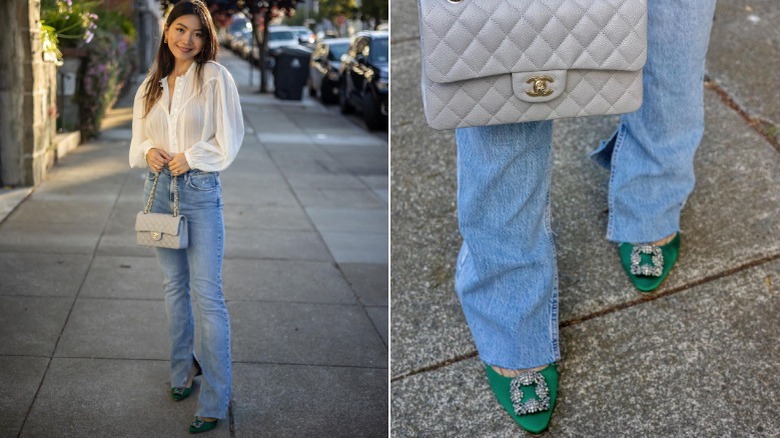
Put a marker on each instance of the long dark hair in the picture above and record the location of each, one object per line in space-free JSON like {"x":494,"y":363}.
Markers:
{"x":165,"y":61}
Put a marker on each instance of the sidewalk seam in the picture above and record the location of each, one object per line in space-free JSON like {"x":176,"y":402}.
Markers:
{"x":769,"y":131}
{"x":358,"y":302}
{"x":72,"y":305}
{"x":610,"y":310}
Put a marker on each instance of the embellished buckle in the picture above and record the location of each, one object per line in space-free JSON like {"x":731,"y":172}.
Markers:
{"x":654,"y":270}
{"x":540,"y":404}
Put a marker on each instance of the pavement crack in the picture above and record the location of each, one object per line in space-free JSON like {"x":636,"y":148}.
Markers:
{"x":766,"y":129}
{"x":405,"y":39}
{"x":436,"y":366}
{"x":615,"y":308}
{"x":671,"y":291}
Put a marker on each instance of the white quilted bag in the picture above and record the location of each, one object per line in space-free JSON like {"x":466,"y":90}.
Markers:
{"x":489,"y":62}
{"x":159,"y":229}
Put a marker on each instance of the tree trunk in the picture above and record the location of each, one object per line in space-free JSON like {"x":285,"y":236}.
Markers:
{"x":264,"y":51}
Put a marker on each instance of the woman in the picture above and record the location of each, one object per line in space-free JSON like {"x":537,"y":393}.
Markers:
{"x":506,"y":275}
{"x":187,"y":127}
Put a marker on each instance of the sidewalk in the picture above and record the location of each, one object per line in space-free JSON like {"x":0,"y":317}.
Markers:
{"x":84,"y":350}
{"x":698,"y":358}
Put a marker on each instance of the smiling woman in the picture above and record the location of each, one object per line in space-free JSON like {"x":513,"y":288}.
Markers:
{"x":187,"y":127}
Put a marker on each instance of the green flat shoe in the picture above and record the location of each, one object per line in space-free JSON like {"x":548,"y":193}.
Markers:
{"x":181,"y":392}
{"x":648,"y":265}
{"x":200,"y":425}
{"x":528,"y":398}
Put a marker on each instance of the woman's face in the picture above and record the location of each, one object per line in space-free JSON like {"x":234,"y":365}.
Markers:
{"x":185,"y":37}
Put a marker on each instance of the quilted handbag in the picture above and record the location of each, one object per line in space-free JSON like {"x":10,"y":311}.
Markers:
{"x":159,"y":229}
{"x":488,"y":62}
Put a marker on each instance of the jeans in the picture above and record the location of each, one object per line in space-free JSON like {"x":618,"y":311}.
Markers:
{"x":506,"y":274}
{"x":195,"y":274}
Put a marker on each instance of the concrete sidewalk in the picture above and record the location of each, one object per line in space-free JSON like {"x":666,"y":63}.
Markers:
{"x":697,"y":358}
{"x":84,"y":350}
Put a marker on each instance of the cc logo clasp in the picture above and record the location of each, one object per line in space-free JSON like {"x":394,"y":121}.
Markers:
{"x":540,"y":86}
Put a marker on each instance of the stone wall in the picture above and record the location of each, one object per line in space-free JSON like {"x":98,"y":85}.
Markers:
{"x":11,"y":93}
{"x":27,"y":97}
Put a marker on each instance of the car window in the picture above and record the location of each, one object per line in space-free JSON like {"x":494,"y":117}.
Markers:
{"x":280,"y":35}
{"x":237,"y":25}
{"x":336,"y":50}
{"x":379,"y":50}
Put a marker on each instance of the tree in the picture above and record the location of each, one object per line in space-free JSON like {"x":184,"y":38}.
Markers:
{"x":331,"y":9}
{"x":260,"y":12}
{"x":375,"y":10}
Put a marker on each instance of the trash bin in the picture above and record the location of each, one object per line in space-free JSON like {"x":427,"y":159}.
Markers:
{"x":291,"y":71}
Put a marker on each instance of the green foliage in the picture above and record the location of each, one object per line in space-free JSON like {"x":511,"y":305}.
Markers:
{"x":331,"y":9}
{"x":73,"y":21}
{"x":50,"y":44}
{"x":108,"y":39}
{"x":116,"y":22}
{"x":295,"y":20}
{"x":374,"y":9}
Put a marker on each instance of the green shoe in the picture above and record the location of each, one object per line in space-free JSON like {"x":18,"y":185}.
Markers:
{"x":648,"y":265}
{"x":200,"y":425}
{"x":179,"y":392}
{"x":528,"y":398}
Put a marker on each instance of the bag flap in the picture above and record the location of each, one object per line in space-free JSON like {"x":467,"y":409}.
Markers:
{"x":164,"y":223}
{"x":479,"y":38}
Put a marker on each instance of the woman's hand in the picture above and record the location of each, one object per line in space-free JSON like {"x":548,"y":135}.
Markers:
{"x":157,"y":159}
{"x":178,"y":164}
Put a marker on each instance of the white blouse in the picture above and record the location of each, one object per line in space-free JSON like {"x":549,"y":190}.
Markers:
{"x":207,"y":127}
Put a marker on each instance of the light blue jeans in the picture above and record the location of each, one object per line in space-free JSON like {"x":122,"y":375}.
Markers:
{"x":506,"y":275}
{"x":195,"y":274}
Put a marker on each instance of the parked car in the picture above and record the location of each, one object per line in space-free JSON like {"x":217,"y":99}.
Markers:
{"x":234,"y":29}
{"x":324,"y":69}
{"x":364,"y":78}
{"x":243,"y":42}
{"x":304,"y":34}
{"x":278,"y":36}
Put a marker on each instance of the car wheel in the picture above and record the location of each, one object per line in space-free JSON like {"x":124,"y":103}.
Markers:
{"x":326,"y":91}
{"x":346,"y":107}
{"x":372,"y":114}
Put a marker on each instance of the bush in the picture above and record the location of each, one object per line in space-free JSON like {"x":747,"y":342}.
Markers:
{"x":108,"y":66}
{"x":73,"y":23}
{"x":108,"y":39}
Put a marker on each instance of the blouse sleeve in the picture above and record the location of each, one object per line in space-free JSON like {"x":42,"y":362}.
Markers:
{"x":223,"y":129}
{"x":140,"y":143}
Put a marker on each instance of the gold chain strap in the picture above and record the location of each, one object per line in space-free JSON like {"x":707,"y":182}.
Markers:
{"x":149,"y":203}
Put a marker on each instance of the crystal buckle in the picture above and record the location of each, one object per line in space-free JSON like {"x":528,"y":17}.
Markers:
{"x":654,"y":270}
{"x":539,"y":404}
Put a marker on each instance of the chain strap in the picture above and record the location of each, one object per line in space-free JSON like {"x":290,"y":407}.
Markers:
{"x":149,"y":203}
